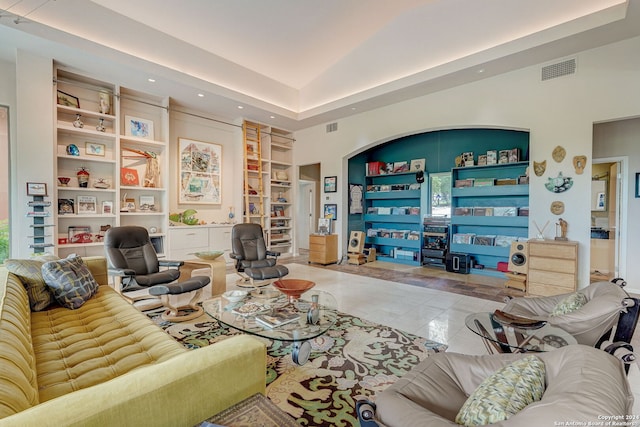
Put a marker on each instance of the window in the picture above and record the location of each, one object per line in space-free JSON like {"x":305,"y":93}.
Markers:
{"x":440,"y":193}
{"x":4,"y":183}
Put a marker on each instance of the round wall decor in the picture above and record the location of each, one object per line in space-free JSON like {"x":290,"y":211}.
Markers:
{"x":558,"y":154}
{"x":557,"y":207}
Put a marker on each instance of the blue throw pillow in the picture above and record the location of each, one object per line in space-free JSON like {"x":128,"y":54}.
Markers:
{"x":70,"y":281}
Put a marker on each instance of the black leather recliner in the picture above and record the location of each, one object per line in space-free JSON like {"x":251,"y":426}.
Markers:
{"x":134,"y":265}
{"x":253,"y":260}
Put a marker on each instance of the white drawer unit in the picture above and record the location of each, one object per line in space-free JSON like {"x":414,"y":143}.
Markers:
{"x":185,"y":240}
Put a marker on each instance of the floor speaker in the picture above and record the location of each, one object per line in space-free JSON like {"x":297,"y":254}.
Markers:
{"x":356,"y":242}
{"x":519,"y":257}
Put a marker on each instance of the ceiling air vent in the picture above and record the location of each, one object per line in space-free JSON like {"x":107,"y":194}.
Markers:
{"x":559,"y":69}
{"x":332,"y":127}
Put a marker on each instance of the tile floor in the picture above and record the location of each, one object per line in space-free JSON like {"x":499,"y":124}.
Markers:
{"x":420,"y":309}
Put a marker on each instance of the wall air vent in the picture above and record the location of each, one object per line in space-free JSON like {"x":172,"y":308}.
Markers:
{"x":332,"y":127}
{"x":559,"y":69}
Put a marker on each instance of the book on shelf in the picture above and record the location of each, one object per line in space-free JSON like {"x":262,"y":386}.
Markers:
{"x":483,"y":182}
{"x":484,"y":240}
{"x":278,"y":318}
{"x":463,"y":238}
{"x":482,"y":211}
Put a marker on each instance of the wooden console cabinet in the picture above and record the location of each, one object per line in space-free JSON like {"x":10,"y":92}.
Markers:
{"x":323,"y":248}
{"x":553,"y":267}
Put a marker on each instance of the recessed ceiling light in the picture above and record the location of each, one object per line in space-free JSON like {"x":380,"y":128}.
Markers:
{"x":240,"y":107}
{"x":272,"y":117}
{"x":353,"y":108}
{"x":481,"y":70}
{"x":151,"y":80}
{"x":201,"y":95}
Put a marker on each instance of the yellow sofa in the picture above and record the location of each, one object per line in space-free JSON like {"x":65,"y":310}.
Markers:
{"x":107,"y":364}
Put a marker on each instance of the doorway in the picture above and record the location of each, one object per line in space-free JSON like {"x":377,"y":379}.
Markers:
{"x":307,"y":212}
{"x":607,"y":225}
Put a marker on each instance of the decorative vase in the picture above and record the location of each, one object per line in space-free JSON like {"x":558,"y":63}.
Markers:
{"x":83,"y":177}
{"x":105,"y":103}
{"x":77,"y":123}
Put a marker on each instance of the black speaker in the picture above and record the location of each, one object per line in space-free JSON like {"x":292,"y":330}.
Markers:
{"x":519,"y":257}
{"x":458,"y":263}
{"x":356,"y":242}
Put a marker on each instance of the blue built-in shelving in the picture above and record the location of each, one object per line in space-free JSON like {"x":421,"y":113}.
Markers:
{"x":393,"y":217}
{"x":492,"y":198}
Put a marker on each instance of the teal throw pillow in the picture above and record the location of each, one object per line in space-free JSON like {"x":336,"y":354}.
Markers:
{"x":504,"y":393}
{"x":29,"y":271}
{"x":571,"y":303}
{"x":70,"y":281}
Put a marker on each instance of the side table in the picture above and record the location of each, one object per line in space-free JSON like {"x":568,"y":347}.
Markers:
{"x":215,"y":269}
{"x":323,"y":248}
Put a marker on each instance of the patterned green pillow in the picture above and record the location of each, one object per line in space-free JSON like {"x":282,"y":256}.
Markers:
{"x":30,"y":274}
{"x":504,"y":393}
{"x":70,"y":281}
{"x":571,"y":303}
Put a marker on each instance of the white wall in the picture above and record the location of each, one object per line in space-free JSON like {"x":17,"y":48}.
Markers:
{"x":561,"y":111}
{"x":230,"y":137}
{"x":8,"y":99}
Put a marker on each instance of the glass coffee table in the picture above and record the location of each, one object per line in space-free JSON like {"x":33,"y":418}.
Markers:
{"x":277,"y":318}
{"x":502,"y":338}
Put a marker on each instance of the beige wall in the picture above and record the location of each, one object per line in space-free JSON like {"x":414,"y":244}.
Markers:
{"x":561,"y":111}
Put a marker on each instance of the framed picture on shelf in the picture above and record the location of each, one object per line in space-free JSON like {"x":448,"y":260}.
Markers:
{"x":87,"y":205}
{"x":94,"y":149}
{"x":80,"y":234}
{"x":129,"y":177}
{"x":107,"y":207}
{"x":418,"y":165}
{"x":330,"y":184}
{"x":147,"y":203}
{"x":200,"y":172}
{"x":66,"y":206}
{"x":324,"y":225}
{"x":331,"y":211}
{"x":68,"y":100}
{"x":135,"y":126}
{"x":36,"y":189}
{"x":129,"y":205}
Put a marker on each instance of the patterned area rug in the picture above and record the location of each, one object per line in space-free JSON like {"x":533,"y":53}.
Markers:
{"x":355,"y":359}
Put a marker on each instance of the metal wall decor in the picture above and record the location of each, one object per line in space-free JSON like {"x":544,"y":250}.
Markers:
{"x":579,"y":163}
{"x":557,"y":207}
{"x":558,"y":154}
{"x":559,"y":184}
{"x":539,"y":167}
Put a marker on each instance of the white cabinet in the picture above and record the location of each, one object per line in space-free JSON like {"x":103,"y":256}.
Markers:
{"x":185,"y":240}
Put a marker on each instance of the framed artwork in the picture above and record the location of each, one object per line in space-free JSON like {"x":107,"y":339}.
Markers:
{"x":147,"y":203}
{"x":107,"y":207}
{"x":66,"y":206}
{"x":324,"y":226}
{"x":200,"y":171}
{"x":331,"y":211}
{"x":128,"y":205}
{"x":135,"y":126}
{"x":68,"y":100}
{"x":355,"y":198}
{"x":129,"y":177}
{"x":417,"y":165}
{"x":94,"y":149}
{"x":81,"y":234}
{"x":330,"y":184}
{"x":87,"y":205}
{"x":36,"y":189}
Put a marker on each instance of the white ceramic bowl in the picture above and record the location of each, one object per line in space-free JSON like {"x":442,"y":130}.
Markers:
{"x":235,"y":296}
